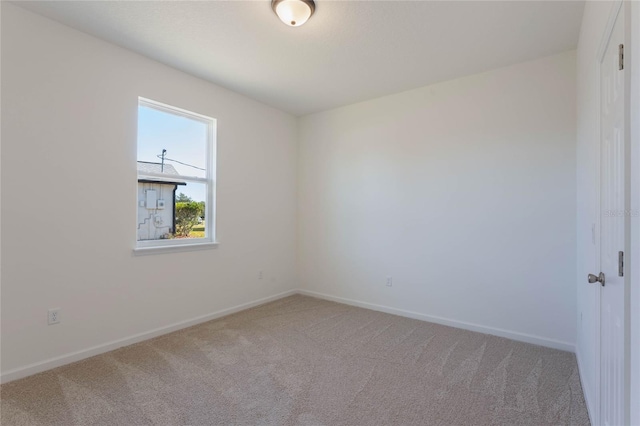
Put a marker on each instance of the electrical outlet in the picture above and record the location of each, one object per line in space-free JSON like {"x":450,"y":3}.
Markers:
{"x":54,"y":316}
{"x":260,"y":275}
{"x":389,"y":281}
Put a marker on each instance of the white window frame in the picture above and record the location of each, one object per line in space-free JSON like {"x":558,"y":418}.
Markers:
{"x":184,"y":244}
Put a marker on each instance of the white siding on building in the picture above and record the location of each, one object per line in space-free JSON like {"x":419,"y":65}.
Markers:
{"x":154,"y":224}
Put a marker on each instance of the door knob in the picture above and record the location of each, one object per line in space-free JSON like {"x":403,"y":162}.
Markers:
{"x":596,"y":279}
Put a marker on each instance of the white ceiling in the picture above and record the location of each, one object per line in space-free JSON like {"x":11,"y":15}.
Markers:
{"x":347,"y":52}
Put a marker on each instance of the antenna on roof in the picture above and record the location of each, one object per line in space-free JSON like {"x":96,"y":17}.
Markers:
{"x":164,"y":152}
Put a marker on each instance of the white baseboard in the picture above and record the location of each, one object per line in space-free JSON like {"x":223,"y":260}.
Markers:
{"x":48,"y":364}
{"x":585,"y":391}
{"x":513,"y":335}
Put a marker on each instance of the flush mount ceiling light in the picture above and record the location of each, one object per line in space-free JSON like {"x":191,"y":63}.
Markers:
{"x":293,"y":12}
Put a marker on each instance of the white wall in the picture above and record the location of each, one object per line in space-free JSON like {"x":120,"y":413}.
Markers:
{"x":463,"y":192}
{"x":69,"y":105}
{"x":594,"y":21}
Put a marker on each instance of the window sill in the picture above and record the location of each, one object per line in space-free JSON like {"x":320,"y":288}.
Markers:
{"x":175,"y":248}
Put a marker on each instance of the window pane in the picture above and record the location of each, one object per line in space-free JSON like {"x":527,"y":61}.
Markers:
{"x":171,"y":211}
{"x":172,"y":143}
{"x":190,"y":210}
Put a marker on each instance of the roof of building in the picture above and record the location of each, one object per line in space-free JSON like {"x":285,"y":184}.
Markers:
{"x":149,"y":167}
{"x":146,"y":167}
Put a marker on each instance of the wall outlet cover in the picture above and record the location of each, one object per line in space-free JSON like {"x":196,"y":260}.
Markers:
{"x":53,"y":316}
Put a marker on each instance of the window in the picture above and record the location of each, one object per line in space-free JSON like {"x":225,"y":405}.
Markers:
{"x":176,"y":178}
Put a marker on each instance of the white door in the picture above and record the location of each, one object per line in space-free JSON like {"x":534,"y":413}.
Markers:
{"x":612,"y":229}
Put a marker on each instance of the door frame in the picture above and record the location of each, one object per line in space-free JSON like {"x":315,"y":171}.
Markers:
{"x":631,"y":199}
{"x":634,"y":61}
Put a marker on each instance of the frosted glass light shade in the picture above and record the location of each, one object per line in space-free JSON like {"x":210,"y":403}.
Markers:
{"x":293,"y":12}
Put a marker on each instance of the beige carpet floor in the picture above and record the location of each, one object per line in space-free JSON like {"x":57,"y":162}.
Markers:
{"x":304,"y":361}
